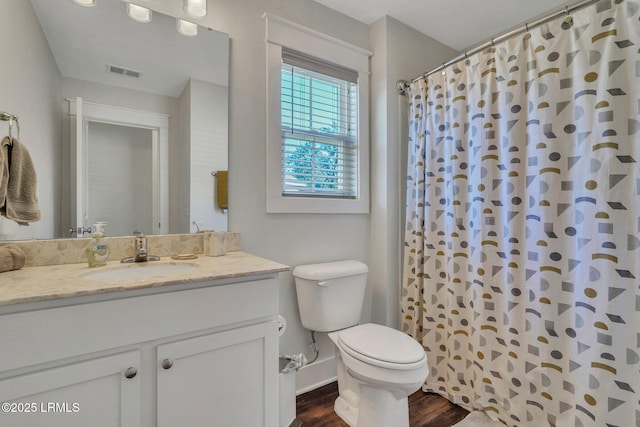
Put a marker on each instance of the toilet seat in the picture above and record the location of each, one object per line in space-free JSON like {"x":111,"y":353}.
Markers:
{"x":382,"y":346}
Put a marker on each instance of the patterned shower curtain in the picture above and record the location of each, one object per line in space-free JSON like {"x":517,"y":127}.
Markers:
{"x":521,"y":259}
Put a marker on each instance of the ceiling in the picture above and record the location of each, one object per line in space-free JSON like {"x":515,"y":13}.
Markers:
{"x":84,"y":40}
{"x":458,"y":24}
{"x":103,"y":35}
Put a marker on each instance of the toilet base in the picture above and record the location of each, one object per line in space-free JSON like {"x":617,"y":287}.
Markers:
{"x":378,"y":408}
{"x":347,"y":412}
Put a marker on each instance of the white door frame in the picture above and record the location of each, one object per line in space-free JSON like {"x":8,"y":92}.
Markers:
{"x":159,"y":125}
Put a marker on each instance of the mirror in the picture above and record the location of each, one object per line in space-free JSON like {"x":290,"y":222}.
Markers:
{"x":126,"y":122}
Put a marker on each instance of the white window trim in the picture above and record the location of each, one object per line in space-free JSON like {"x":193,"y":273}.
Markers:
{"x":282,"y":33}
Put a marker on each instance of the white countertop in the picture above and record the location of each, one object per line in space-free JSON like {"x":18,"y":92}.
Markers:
{"x":67,"y":280}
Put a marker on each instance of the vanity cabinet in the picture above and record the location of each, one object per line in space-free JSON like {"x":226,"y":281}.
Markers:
{"x":201,"y":354}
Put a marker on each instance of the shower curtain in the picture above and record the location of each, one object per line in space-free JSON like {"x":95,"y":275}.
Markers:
{"x":521,"y":261}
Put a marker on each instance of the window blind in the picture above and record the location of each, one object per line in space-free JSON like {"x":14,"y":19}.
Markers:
{"x":319,"y":128}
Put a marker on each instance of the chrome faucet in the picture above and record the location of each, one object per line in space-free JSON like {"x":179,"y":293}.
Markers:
{"x":141,"y":248}
{"x":141,"y":253}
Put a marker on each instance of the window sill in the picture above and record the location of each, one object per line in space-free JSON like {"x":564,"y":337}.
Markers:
{"x":317,"y":205}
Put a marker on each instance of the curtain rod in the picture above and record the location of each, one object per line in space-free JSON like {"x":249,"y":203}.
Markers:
{"x":403,"y":85}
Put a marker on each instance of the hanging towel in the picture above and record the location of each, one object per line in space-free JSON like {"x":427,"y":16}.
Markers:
{"x":4,"y":169}
{"x":222,"y":189}
{"x":11,"y":258}
{"x":21,"y":203}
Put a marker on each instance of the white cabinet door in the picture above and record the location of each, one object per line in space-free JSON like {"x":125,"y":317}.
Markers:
{"x":225,"y":379}
{"x":103,"y":392}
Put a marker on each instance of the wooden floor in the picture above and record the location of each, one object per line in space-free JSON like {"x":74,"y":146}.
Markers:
{"x":315,"y":409}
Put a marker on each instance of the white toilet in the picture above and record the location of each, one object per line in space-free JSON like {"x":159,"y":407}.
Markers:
{"x":378,"y":367}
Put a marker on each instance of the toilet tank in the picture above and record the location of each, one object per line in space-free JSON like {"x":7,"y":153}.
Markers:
{"x":330,"y":295}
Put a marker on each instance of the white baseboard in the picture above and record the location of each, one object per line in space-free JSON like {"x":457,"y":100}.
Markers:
{"x":315,"y":375}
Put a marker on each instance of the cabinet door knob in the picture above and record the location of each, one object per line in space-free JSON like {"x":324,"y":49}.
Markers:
{"x":130,"y":372}
{"x":167,"y":364}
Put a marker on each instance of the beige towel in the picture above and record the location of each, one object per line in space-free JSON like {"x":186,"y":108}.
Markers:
{"x":21,"y":203}
{"x":222,"y":189}
{"x":11,"y":258}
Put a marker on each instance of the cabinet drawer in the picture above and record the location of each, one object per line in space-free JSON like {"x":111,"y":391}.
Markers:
{"x":34,"y":337}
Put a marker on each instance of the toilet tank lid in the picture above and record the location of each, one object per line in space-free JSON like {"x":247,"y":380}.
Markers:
{"x":330,"y":270}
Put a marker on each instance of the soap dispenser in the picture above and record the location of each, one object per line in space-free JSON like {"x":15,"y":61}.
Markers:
{"x":98,"y":251}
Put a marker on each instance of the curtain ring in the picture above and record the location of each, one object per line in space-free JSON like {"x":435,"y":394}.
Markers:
{"x":569,"y":18}
{"x":493,"y":43}
{"x":526,"y":26}
{"x":443,"y":67}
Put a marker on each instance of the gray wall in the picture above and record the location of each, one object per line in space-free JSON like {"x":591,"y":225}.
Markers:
{"x":30,"y":87}
{"x":294,"y":239}
{"x":120,"y":178}
{"x":201,"y":147}
{"x":181,"y":151}
{"x":400,"y":52}
{"x":208,"y":152}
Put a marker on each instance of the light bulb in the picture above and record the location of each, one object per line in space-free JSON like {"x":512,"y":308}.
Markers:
{"x":138,"y":13}
{"x":186,"y":28}
{"x":86,"y":3}
{"x":195,"y":8}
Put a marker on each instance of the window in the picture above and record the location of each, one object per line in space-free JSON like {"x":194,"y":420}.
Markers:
{"x":317,"y":122}
{"x":319,"y":128}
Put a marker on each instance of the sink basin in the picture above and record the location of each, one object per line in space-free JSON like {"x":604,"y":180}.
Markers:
{"x":139,"y":271}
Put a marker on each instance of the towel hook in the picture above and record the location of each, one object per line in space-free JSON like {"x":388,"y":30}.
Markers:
{"x":11,"y":119}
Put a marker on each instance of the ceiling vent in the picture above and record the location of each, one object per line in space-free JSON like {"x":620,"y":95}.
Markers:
{"x":115,"y":69}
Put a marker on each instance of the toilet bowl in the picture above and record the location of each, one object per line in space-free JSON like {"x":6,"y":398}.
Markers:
{"x":378,"y":367}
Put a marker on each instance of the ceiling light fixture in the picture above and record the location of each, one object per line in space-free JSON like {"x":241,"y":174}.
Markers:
{"x":138,"y":13}
{"x":186,"y":28}
{"x":86,"y":3}
{"x":195,"y":8}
